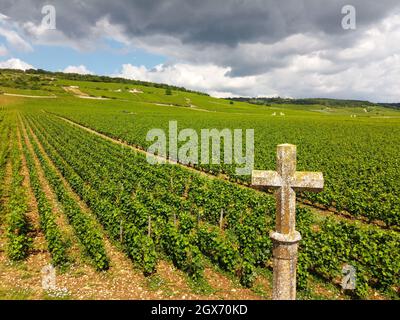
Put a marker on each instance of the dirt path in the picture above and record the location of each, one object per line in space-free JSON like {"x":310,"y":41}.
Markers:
{"x":191,"y":107}
{"x":196,"y":108}
{"x":28,"y":96}
{"x":92,"y":98}
{"x":316,"y":209}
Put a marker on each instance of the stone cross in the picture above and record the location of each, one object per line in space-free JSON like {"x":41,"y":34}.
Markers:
{"x":285,"y":239}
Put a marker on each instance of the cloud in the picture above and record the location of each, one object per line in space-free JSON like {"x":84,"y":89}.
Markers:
{"x":10,"y":31}
{"x":77,"y":69}
{"x":205,"y":22}
{"x":301,"y":65}
{"x":244,"y":47}
{"x":194,"y":23}
{"x":302,"y":78}
{"x":14,"y":63}
{"x":3,"y":17}
{"x":15,"y":40}
{"x":210,"y":78}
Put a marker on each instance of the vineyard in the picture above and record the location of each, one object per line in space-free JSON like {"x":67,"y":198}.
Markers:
{"x":203,"y":217}
{"x":360,"y":166}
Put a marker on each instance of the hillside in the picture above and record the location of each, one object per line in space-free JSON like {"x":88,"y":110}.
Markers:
{"x":79,"y":192}
{"x":316,"y":101}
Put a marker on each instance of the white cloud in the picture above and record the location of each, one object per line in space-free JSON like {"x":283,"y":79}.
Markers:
{"x":40,"y":35}
{"x":15,"y":40}
{"x":304,"y":77}
{"x":104,"y":29}
{"x":3,"y":17}
{"x":12,"y":34}
{"x":101,"y":30}
{"x":14,"y":63}
{"x":209,"y":78}
{"x":77,"y":69}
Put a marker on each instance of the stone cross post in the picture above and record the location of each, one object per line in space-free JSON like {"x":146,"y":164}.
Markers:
{"x":285,"y":239}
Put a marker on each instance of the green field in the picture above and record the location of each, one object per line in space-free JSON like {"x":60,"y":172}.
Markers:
{"x":357,"y":155}
{"x":168,"y":212}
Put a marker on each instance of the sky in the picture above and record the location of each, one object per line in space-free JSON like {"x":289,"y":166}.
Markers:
{"x":227,"y":48}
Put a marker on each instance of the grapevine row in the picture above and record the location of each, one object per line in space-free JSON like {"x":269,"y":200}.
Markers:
{"x":170,"y":234}
{"x":18,"y":226}
{"x":55,"y":242}
{"x":85,"y":229}
{"x":4,"y":152}
{"x":180,"y":255}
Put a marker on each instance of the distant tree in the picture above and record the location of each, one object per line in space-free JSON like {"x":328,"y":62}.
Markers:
{"x":231,"y":102}
{"x":168,"y":92}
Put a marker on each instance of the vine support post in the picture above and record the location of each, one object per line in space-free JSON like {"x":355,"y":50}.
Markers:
{"x":286,"y":181}
{"x":149,"y":227}
{"x":221,"y":219}
{"x":121,"y":231}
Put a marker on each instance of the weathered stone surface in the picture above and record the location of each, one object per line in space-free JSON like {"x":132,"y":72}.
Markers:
{"x":285,"y":239}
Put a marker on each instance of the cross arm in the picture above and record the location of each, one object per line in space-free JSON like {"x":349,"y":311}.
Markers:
{"x":308,"y":181}
{"x":269,"y":179}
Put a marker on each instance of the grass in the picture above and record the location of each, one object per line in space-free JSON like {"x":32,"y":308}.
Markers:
{"x":155,"y":282}
{"x":57,"y":295}
{"x":318,"y":289}
{"x":200,"y":286}
{"x":15,"y":294}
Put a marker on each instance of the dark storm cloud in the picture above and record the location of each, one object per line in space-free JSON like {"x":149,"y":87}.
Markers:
{"x":205,"y":22}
